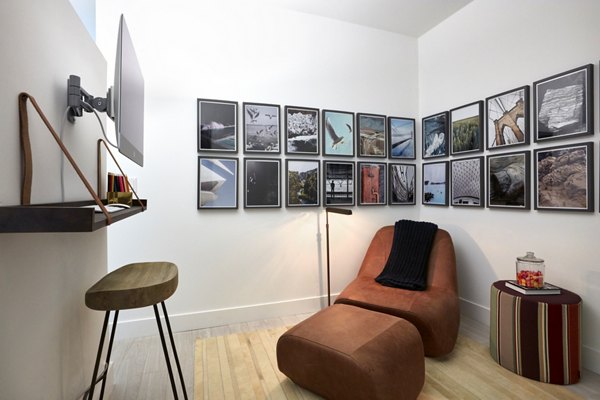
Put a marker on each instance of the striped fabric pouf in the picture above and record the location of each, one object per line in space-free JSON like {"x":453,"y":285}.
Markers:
{"x":537,"y":337}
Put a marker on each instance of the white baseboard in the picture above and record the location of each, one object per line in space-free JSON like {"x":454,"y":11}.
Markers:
{"x":211,"y":318}
{"x":590,"y":359}
{"x":475,"y":311}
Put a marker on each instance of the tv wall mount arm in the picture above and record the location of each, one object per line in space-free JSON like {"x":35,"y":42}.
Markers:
{"x":79,"y":100}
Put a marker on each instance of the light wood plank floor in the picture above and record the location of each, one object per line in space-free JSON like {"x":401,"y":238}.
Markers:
{"x":140,"y":371}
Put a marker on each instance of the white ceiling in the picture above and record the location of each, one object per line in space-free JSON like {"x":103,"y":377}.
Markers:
{"x":408,"y":17}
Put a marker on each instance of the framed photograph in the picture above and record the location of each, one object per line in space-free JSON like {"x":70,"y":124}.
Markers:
{"x":217,"y":125}
{"x":508,"y":180}
{"x":371,"y":135}
{"x":467,"y":182}
{"x":262,"y":178}
{"x":338,"y":183}
{"x":435,"y":135}
{"x":508,"y":118}
{"x":466,"y":128}
{"x":401,"y":137}
{"x":372,"y":183}
{"x":261,"y":128}
{"x":301,"y":130}
{"x":217,"y":183}
{"x":402,"y":184}
{"x":564,"y":104}
{"x":435,"y":183}
{"x":338,"y":133}
{"x":564,"y":178}
{"x":302,"y":183}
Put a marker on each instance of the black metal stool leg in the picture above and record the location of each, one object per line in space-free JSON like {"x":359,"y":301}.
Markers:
{"x":164,"y":345}
{"x":164,"y":307}
{"x":110,"y":345}
{"x":102,"y":335}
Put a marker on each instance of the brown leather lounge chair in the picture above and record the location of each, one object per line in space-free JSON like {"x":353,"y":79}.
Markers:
{"x":434,"y":311}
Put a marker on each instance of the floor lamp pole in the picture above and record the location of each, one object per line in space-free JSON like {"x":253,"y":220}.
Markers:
{"x":327,"y":211}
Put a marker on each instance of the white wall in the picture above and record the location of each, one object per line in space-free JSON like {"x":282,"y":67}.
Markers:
{"x":240,"y":265}
{"x":48,"y":338}
{"x":486,"y":48}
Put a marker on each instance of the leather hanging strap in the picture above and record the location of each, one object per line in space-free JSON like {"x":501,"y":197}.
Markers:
{"x":27,"y":164}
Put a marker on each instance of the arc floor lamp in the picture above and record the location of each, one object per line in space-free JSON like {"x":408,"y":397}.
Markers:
{"x":334,"y":210}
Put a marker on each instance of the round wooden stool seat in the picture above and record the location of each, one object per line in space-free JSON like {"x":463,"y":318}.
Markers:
{"x":133,"y":286}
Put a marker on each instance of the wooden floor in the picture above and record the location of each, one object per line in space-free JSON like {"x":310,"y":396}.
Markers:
{"x":140,"y":371}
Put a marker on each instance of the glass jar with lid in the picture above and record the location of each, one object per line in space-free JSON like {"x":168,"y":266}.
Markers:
{"x":530,"y":271}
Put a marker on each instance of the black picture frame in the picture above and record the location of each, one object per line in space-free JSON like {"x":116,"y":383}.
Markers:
{"x":401,"y":138}
{"x":372,"y":136}
{"x":402,"y":180}
{"x":372,"y":183}
{"x":434,"y":132}
{"x":303,"y":185}
{"x":262,"y":180}
{"x":262,"y":128}
{"x":339,"y":179}
{"x":434,"y":188}
{"x":558,"y":179}
{"x":508,"y":180}
{"x":217,"y":183}
{"x":507,"y":119}
{"x":466,"y":182}
{"x":338,"y":133}
{"x":564,"y":104}
{"x":302,"y":130}
{"x":217,"y":125}
{"x":466,"y":128}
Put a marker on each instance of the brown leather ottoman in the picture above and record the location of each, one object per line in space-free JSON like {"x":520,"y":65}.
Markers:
{"x":346,"y":352}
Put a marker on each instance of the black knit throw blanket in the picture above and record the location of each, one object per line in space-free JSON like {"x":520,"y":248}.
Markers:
{"x":406,"y":266}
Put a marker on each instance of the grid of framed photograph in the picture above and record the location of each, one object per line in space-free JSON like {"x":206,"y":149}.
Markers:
{"x":301,"y":130}
{"x":508,"y":180}
{"x":563,"y":105}
{"x":302,"y":183}
{"x":371,"y":140}
{"x":338,"y":183}
{"x":217,"y":125}
{"x":466,"y":128}
{"x":467,"y":182}
{"x":564,"y":177}
{"x":217,"y":182}
{"x":402,"y":183}
{"x":435,"y":183}
{"x":372,"y":183}
{"x":261,"y":128}
{"x":508,"y":118}
{"x":435,"y":135}
{"x":401,"y":138}
{"x":262,"y":179}
{"x":338,"y":133}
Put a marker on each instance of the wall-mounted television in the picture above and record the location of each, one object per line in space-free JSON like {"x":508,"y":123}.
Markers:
{"x":124,"y":102}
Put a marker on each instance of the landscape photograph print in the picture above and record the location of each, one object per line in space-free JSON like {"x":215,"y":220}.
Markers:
{"x":402,"y":179}
{"x":435,"y":183}
{"x":302,"y":183}
{"x":302,"y":130}
{"x":372,"y":183}
{"x":217,"y":125}
{"x":401,"y":133}
{"x":217,"y":182}
{"x":261,"y":128}
{"x":508,"y":180}
{"x":564,"y":178}
{"x":261,"y":183}
{"x":371,"y":135}
{"x":508,"y":118}
{"x":435,"y":135}
{"x":338,"y":183}
{"x":467,"y":182}
{"x":338,"y":133}
{"x":466,"y":124}
{"x":563,"y":105}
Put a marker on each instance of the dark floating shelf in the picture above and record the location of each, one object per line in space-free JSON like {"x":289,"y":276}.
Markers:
{"x":59,"y":217}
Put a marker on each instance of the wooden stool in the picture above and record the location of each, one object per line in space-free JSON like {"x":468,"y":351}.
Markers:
{"x":134,"y":286}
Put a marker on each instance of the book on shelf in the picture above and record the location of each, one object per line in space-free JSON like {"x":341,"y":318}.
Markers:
{"x":543,"y":291}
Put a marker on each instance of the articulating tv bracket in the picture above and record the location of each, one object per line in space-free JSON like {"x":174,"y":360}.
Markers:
{"x":78,"y":100}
